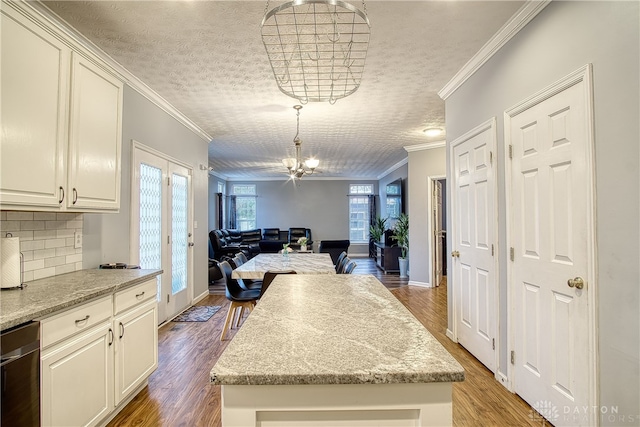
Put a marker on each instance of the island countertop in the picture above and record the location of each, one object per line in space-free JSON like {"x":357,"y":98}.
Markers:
{"x":51,"y":294}
{"x":342,"y":329}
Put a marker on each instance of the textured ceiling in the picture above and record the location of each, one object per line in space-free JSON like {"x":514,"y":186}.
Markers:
{"x":207,"y":59}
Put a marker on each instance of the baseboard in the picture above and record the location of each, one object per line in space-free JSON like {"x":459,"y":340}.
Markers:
{"x":450,"y":335}
{"x":200,"y":297}
{"x":420,"y":284}
{"x":502,"y":379}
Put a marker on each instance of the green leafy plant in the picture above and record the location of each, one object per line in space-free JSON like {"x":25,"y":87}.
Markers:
{"x":376,"y":230}
{"x":303,"y":241}
{"x":401,"y":233}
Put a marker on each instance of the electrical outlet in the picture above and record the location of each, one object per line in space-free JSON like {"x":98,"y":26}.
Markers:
{"x":77,"y":239}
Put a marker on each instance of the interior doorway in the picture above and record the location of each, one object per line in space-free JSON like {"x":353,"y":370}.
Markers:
{"x":438,"y":229}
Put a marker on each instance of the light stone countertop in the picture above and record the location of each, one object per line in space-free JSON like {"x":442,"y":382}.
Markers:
{"x":49,"y":295}
{"x":302,"y":263}
{"x":342,"y":329}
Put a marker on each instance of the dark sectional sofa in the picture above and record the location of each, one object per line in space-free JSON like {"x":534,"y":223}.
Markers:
{"x":226,"y":242}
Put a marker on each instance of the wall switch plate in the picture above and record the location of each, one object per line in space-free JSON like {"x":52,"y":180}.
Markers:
{"x":77,"y":239}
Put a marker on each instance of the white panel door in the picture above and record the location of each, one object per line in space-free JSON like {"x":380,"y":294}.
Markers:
{"x":550,"y":190}
{"x":181,"y":237}
{"x":473,"y":236}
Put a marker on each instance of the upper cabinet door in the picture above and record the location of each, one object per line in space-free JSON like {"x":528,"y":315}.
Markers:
{"x":95,"y":137}
{"x":35,"y":70}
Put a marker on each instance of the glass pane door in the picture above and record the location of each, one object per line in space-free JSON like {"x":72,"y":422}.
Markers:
{"x":179,"y":232}
{"x":151,"y":219}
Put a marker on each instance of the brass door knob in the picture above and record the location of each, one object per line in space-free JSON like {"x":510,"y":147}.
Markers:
{"x":455,"y":254}
{"x":577,"y":282}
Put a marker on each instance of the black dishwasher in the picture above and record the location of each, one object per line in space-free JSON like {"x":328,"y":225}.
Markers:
{"x":20,"y":375}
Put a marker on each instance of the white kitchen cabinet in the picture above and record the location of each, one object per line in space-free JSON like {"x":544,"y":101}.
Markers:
{"x":136,"y":343}
{"x":96,"y":355}
{"x":35,"y":87}
{"x":61,"y":123}
{"x":77,"y":373}
{"x":94,"y":137}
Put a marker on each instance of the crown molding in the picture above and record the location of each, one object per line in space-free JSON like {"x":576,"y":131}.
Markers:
{"x":425,"y":146}
{"x":517,"y":22}
{"x":393,"y":168}
{"x":58,"y":27}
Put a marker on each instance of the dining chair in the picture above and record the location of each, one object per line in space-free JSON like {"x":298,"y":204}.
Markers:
{"x":348,"y":269}
{"x":340,"y":267}
{"x":268,"y":278}
{"x":242,"y":257}
{"x":246,"y":284}
{"x":239,"y":298}
{"x":342,"y":256}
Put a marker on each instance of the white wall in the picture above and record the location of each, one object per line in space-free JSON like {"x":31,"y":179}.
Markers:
{"x":403,"y":173}
{"x":562,"y":38}
{"x":422,"y":165}
{"x":106,"y":236}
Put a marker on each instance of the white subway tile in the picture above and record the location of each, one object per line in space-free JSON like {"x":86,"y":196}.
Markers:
{"x":31,"y":245}
{"x":54,"y":225}
{"x":27,"y":276}
{"x":44,"y":216}
{"x":54,"y":243}
{"x":44,"y":253}
{"x":67,"y":216}
{"x":45,"y":272}
{"x":33,"y":265}
{"x":74,"y":224}
{"x":69,"y":241}
{"x":79,"y":250}
{"x":3,"y":215}
{"x":31,"y":225}
{"x":65,"y":250}
{"x":55,"y":261}
{"x":64,"y":233}
{"x":44,"y":234}
{"x":66,"y":268}
{"x":10,"y":226}
{"x":73,"y":258}
{"x":19,"y":216}
{"x":78,"y":266}
{"x":27,"y":255}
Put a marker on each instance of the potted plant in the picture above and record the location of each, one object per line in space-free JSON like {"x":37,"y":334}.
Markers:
{"x":302,"y":241}
{"x":401,"y":235}
{"x":376,"y":231}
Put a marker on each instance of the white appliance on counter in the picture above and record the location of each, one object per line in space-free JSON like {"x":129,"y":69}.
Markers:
{"x":11,"y":274}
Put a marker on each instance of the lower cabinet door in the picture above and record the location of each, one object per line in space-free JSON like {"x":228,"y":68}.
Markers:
{"x":77,"y":379}
{"x":136,"y":347}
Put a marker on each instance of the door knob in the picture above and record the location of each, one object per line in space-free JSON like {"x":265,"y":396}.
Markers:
{"x":577,"y":282}
{"x":455,"y":254}
{"x":191,"y":244}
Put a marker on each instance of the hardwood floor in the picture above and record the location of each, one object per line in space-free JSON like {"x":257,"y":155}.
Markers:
{"x":179,"y":392}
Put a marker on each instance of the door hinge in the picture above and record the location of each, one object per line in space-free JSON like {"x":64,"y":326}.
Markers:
{"x":510,"y":151}
{"x":492,"y":250}
{"x":168,"y":240}
{"x":493,"y":343}
{"x":491,"y":157}
{"x":168,"y":295}
{"x":513,"y":357}
{"x":512,"y":254}
{"x":168,"y":181}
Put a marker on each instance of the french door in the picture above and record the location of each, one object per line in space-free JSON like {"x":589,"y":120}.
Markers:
{"x":161,"y":226}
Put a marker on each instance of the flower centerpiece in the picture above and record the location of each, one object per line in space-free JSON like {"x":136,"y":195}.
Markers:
{"x":285,"y":251}
{"x":302,"y":241}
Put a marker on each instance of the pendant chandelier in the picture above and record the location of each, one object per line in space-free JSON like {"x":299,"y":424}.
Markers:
{"x":297,"y":168}
{"x":317,"y":48}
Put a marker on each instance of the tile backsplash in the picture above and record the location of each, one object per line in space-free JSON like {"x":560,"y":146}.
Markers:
{"x":46,"y":241}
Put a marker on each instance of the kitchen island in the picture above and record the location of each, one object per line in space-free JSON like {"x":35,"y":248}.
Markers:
{"x":334,"y":350}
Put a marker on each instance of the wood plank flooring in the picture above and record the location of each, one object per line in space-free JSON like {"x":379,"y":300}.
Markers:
{"x":179,"y":392}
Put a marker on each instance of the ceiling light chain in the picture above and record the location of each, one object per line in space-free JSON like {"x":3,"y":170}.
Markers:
{"x":317,"y":48}
{"x":296,"y":167}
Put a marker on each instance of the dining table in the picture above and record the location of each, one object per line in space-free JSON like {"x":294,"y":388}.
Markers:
{"x":301,"y":263}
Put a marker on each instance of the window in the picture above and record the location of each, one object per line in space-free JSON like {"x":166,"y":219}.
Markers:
{"x":246,"y":213}
{"x":359,"y":212}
